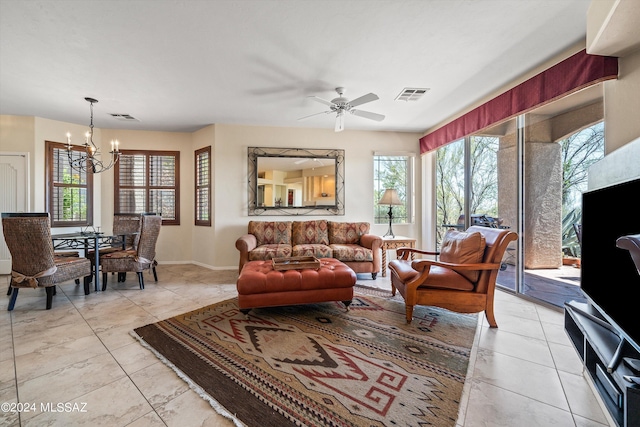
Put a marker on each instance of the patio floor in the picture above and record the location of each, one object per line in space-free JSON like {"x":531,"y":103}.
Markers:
{"x":553,"y":286}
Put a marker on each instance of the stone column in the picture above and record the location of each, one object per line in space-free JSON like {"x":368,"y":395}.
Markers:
{"x":543,"y":197}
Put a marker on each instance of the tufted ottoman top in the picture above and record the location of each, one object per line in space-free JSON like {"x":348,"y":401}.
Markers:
{"x":259,"y":277}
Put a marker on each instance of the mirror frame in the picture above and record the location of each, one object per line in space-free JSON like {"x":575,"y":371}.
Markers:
{"x":254,"y":153}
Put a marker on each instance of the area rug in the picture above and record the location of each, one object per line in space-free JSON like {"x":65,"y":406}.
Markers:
{"x":319,"y":364}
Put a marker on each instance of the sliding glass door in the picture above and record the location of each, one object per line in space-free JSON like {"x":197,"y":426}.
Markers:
{"x":527,"y":174}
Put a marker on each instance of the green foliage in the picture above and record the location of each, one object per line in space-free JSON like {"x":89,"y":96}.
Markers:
{"x":579,"y":151}
{"x":450,"y":180}
{"x":570,"y":242}
{"x":390,"y":172}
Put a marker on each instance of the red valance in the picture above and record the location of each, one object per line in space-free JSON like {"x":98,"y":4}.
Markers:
{"x":572,"y":74}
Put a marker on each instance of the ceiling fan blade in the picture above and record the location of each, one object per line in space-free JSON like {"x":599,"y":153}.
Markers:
{"x":315,"y":114}
{"x":363,"y":99}
{"x":368,"y":115}
{"x":322,"y":101}
{"x":339,"y":122}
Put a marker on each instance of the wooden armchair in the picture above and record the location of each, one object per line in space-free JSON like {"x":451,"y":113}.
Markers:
{"x":464,"y":278}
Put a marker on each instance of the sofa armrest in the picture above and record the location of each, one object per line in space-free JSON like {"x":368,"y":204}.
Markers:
{"x":245,"y":244}
{"x":373,"y":242}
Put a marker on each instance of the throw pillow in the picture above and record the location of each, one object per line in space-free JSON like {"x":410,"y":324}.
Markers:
{"x":347,"y":233}
{"x":463,"y":248}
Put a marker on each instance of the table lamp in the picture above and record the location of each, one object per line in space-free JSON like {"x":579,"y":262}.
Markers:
{"x":390,"y":197}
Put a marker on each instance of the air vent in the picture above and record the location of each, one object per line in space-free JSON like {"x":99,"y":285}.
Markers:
{"x":411,"y":94}
{"x":125,"y":117}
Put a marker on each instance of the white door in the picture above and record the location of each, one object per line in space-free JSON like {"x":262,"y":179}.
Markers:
{"x":13,"y":195}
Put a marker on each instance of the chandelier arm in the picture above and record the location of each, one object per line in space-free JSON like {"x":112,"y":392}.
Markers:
{"x":90,"y":161}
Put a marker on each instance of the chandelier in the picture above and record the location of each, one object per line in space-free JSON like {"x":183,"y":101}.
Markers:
{"x":90,"y":160}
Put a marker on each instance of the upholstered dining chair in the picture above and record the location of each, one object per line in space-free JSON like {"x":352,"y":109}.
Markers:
{"x":462,"y":280}
{"x":123,"y":223}
{"x":136,"y":260}
{"x":33,"y":261}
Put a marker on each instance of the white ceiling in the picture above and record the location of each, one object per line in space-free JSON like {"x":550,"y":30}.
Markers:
{"x":182,"y":65}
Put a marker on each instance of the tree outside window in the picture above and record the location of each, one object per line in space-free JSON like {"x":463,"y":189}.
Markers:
{"x":69,"y":192}
{"x":393,"y":171}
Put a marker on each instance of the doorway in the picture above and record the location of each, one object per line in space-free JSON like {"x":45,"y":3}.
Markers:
{"x":14,"y":175}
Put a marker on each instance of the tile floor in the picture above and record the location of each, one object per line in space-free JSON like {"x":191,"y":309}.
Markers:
{"x":523,"y":374}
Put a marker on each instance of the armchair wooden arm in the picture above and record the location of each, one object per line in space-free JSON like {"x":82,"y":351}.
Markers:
{"x":405,"y":253}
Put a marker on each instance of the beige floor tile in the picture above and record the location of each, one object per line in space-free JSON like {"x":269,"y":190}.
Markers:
{"x":100,"y":408}
{"x":566,"y":358}
{"x":496,"y":407}
{"x":189,"y":409}
{"x":581,"y":399}
{"x":150,"y":419}
{"x":133,"y":357}
{"x":515,"y":345}
{"x":541,"y":383}
{"x":551,"y":315}
{"x":30,"y":342}
{"x":519,"y":325}
{"x":116,"y":337}
{"x":58,"y":356}
{"x":69,"y":383}
{"x":514,"y":308}
{"x":159,"y":384}
{"x":555,"y":333}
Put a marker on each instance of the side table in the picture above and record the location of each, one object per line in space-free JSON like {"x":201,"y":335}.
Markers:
{"x":395,"y":243}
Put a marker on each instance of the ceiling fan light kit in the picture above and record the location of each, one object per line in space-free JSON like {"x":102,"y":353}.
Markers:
{"x":342,"y":105}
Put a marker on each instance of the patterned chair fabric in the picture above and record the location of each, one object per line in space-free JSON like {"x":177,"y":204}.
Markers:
{"x":135,"y":260}
{"x":347,"y":233}
{"x":33,"y":261}
{"x":352,"y":253}
{"x":127,"y":223}
{"x":122,"y":224}
{"x":271,"y":233}
{"x":310,"y":232}
{"x":315,"y":250}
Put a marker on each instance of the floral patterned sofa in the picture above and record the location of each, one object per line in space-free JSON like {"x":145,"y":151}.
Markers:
{"x":349,"y":242}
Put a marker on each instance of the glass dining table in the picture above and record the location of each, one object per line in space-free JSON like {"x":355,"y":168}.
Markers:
{"x":88,"y":241}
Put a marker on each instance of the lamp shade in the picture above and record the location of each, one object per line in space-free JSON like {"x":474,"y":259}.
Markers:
{"x":390,"y":197}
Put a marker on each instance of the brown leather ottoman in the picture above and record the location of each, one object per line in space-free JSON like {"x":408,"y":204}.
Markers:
{"x":259,"y":285}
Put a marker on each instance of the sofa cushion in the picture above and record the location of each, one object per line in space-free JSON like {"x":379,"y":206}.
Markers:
{"x":310,"y":232}
{"x":347,"y":233}
{"x":351,"y":253}
{"x":463,"y":248}
{"x":311,"y":249}
{"x":266,"y":252}
{"x":271,"y":232}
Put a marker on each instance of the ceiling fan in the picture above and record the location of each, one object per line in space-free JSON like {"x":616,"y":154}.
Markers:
{"x":341,"y":106}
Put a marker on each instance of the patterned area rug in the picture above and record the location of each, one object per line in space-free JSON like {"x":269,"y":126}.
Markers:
{"x":319,"y":365}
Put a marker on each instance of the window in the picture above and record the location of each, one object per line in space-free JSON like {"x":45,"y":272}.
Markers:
{"x":203,"y":186}
{"x":69,"y":192}
{"x":148,"y":181}
{"x":393,"y":171}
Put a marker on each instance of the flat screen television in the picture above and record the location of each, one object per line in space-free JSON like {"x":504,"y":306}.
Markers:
{"x":609,"y":277}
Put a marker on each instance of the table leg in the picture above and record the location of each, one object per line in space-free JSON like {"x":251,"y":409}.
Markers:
{"x":96,"y":260}
{"x":384,"y":262}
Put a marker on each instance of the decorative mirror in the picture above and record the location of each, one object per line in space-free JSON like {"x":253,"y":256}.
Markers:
{"x":296,"y":181}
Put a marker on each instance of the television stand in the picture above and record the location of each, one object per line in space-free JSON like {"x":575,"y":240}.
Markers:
{"x":601,"y":347}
